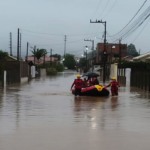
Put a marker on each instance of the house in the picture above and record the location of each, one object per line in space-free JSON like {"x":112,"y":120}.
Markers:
{"x":128,"y":58}
{"x":42,"y":60}
{"x":112,"y":50}
{"x":144,"y":57}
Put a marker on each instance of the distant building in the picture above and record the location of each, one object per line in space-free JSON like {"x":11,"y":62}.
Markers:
{"x":42,"y":60}
{"x":113,"y":50}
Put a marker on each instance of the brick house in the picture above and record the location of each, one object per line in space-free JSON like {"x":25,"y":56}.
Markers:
{"x":113,"y":50}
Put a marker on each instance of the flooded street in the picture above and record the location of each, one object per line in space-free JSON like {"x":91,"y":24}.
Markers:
{"x":44,"y":115}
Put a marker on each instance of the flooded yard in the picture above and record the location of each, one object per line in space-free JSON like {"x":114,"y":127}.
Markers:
{"x":44,"y":115}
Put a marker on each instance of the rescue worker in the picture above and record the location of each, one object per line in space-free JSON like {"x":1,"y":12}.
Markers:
{"x":77,"y":84}
{"x":114,"y":86}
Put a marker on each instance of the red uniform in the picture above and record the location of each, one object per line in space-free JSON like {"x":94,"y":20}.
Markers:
{"x":78,"y":84}
{"x":114,"y":87}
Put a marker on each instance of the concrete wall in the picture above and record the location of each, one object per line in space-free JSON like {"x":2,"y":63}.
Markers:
{"x":114,"y":70}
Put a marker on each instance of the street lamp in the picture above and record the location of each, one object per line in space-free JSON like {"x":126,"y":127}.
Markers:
{"x":92,"y":62}
{"x":112,"y":47}
{"x":104,"y":60}
{"x":86,"y":48}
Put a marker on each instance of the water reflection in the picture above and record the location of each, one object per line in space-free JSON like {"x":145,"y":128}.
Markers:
{"x":87,"y":103}
{"x":96,"y":110}
{"x":43,"y":111}
{"x":88,"y":110}
{"x":114,"y":102}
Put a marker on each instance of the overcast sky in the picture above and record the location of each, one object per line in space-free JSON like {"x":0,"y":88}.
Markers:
{"x":44,"y":23}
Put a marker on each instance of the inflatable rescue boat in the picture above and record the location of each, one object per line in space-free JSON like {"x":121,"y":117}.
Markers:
{"x":94,"y":90}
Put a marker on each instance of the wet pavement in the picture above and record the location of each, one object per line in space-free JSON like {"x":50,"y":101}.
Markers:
{"x":44,"y":115}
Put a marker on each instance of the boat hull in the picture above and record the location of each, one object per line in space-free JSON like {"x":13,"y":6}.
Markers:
{"x":95,"y":90}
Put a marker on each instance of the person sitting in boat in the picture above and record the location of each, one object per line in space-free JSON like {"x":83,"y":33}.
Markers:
{"x":114,"y":86}
{"x":77,"y":84}
{"x":89,"y":81}
{"x":85,"y":84}
{"x":94,"y":81}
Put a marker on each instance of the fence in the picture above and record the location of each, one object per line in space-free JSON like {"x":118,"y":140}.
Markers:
{"x":15,"y":71}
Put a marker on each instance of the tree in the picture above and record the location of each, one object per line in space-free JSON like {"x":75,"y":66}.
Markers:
{"x":132,"y":50}
{"x":57,"y":56}
{"x":83,"y":64}
{"x":39,"y":53}
{"x":69,"y":61}
{"x":3,"y":55}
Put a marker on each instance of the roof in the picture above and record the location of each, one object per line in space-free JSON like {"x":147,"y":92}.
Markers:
{"x":142,"y":57}
{"x":41,"y":60}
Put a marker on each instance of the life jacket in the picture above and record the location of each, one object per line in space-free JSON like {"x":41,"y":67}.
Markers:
{"x":78,"y":83}
{"x":114,"y":84}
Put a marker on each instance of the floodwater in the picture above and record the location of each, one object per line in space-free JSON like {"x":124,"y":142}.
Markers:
{"x":44,"y":115}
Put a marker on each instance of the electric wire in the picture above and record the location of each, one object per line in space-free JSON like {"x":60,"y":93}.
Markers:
{"x":111,"y":8}
{"x":105,"y":7}
{"x":140,"y":32}
{"x":132,"y":18}
{"x":133,"y":29}
{"x":98,"y":5}
{"x":136,"y":24}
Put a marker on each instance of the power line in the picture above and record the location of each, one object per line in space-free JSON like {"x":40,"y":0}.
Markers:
{"x":137,"y":23}
{"x":111,"y":8}
{"x":132,"y":18}
{"x":141,"y":31}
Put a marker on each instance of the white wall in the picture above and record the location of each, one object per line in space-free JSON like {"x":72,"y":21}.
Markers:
{"x":113,"y":70}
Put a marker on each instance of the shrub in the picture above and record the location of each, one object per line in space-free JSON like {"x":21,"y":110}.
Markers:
{"x":59,"y":67}
{"x":51,"y":71}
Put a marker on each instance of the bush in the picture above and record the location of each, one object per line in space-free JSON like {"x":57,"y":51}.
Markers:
{"x":59,"y":67}
{"x":51,"y":71}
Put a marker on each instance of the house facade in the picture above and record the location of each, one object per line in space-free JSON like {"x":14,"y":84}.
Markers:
{"x":112,"y":51}
{"x":144,"y":57}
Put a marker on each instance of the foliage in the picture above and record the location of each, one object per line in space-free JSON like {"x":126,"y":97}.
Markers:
{"x":51,"y":71}
{"x":69,"y":61}
{"x":57,"y":56}
{"x":82,"y":62}
{"x":59,"y":67}
{"x":39,"y":53}
{"x":132,"y":50}
{"x":3,"y":55}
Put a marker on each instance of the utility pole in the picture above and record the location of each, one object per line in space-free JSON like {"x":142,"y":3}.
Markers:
{"x":92,"y":51}
{"x":120,"y":53}
{"x":34,"y":53}
{"x":86,"y":47}
{"x":50,"y":57}
{"x":104,"y":55}
{"x":27,"y":51}
{"x":18,"y":45}
{"x":10,"y":44}
{"x":65,"y":39}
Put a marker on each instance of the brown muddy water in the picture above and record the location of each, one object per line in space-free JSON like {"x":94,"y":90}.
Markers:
{"x":44,"y":115}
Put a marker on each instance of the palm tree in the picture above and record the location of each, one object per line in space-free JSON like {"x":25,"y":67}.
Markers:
{"x":39,"y":53}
